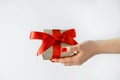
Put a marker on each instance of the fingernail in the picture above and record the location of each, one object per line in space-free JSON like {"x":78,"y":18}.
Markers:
{"x":63,"y":49}
{"x":52,"y":60}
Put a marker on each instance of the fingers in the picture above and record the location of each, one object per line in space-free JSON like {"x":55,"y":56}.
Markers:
{"x":77,"y":59}
{"x":68,"y":64}
{"x":67,"y":61}
{"x":72,"y":60}
{"x":63,"y":60}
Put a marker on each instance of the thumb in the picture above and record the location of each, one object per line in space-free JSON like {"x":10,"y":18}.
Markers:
{"x":70,"y":48}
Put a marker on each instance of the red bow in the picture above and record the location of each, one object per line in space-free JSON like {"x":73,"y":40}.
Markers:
{"x":56,"y":38}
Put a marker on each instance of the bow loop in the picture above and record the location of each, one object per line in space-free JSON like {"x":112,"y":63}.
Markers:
{"x":67,"y":37}
{"x":39,"y":35}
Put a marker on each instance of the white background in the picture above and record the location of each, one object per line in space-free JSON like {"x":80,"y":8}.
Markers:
{"x":92,"y":19}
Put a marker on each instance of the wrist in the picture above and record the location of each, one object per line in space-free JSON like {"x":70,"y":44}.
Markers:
{"x":98,"y":47}
{"x":92,"y":46}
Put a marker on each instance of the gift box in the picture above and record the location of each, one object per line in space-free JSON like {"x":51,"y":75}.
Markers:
{"x":52,"y":42}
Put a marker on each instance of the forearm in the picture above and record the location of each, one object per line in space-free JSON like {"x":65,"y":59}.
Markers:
{"x":108,"y":46}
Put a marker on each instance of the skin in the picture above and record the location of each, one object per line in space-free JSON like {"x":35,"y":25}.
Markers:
{"x":88,"y":49}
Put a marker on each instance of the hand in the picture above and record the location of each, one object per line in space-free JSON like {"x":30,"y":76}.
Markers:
{"x":84,"y":51}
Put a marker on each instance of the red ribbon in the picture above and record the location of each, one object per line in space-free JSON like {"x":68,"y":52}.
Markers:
{"x":55,"y":39}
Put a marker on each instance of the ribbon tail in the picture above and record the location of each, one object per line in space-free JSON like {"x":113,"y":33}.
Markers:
{"x":40,"y":50}
{"x":45,"y":45}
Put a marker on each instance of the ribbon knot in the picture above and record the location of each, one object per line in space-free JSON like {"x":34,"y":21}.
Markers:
{"x":58,"y":38}
{"x":55,"y":39}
